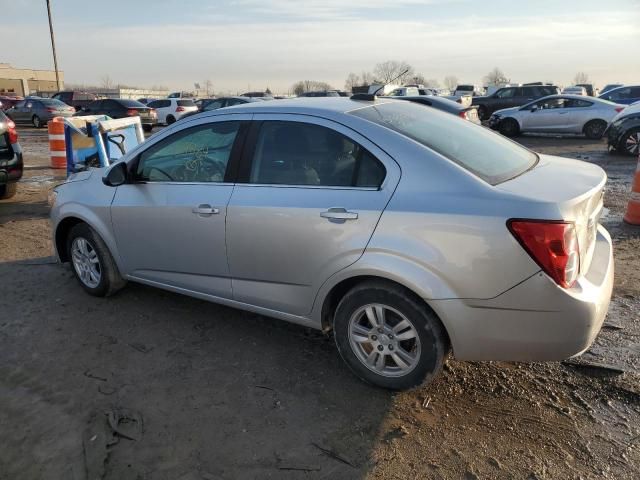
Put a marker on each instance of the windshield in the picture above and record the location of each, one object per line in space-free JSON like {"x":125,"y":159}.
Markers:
{"x":488,"y":155}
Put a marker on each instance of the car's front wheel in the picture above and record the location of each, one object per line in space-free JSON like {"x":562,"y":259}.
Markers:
{"x":388,"y":337}
{"x":630,"y":142}
{"x":509,"y":127}
{"x":92,"y":262}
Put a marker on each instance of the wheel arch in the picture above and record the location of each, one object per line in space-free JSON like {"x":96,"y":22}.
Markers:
{"x":592,"y":120}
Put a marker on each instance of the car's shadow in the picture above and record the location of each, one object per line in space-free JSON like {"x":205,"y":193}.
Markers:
{"x":220,"y":392}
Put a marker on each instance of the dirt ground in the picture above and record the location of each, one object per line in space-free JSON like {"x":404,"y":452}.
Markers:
{"x":153,"y":385}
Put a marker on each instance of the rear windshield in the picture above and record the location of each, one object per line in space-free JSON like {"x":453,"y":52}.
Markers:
{"x":488,"y":155}
{"x":131,"y":103}
{"x":186,"y":103}
{"x":52,"y":102}
{"x":465,"y":87}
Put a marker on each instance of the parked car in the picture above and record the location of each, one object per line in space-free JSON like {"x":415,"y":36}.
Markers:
{"x":76,"y":99}
{"x":511,"y":97}
{"x":170,"y":110}
{"x":557,"y":114}
{"x":11,"y":164}
{"x":623,"y":133}
{"x":320,"y":93}
{"x":591,"y":90}
{"x":610,"y":86}
{"x":211,"y":104}
{"x":257,"y":95}
{"x":574,"y":90}
{"x":402,"y":229}
{"x":123,"y":108}
{"x":473,"y":90}
{"x":449,"y":106}
{"x":404,"y":91}
{"x":7,"y":102}
{"x":628,"y":94}
{"x":38,"y":111}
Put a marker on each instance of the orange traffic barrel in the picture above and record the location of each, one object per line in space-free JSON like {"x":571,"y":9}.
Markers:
{"x":633,"y":209}
{"x":57,"y":147}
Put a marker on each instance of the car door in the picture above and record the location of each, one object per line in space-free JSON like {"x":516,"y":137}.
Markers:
{"x":546,"y":115}
{"x":17,"y":113}
{"x":169,"y":222}
{"x":578,"y":113}
{"x":307,"y":201}
{"x":504,"y":98}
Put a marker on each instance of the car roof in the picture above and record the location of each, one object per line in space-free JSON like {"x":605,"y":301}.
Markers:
{"x":306,"y":105}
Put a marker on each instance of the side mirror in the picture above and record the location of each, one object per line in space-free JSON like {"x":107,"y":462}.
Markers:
{"x":116,"y":175}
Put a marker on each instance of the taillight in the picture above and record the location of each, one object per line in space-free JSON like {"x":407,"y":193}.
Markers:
{"x":463,"y":114}
{"x":180,"y":109}
{"x":619,"y":109}
{"x":51,"y":110}
{"x":132,"y":112}
{"x":13,"y":133}
{"x":552,"y":245}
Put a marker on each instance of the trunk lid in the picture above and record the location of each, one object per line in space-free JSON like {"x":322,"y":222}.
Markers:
{"x":575,"y":187}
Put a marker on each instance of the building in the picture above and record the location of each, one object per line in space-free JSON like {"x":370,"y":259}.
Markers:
{"x":25,"y":81}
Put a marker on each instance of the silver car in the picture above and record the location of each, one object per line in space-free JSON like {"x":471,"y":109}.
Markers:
{"x":557,"y":114}
{"x":405,"y":230}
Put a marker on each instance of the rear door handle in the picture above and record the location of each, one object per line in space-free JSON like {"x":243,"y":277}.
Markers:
{"x":205,"y":210}
{"x":339,"y":213}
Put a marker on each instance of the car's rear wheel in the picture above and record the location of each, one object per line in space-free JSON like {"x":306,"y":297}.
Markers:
{"x":388,"y":337}
{"x":509,"y":127}
{"x":35,"y":120}
{"x":171,"y":119}
{"x":92,"y":262}
{"x":8,"y":190}
{"x":594,"y":129}
{"x":482,"y":112}
{"x":630,"y":142}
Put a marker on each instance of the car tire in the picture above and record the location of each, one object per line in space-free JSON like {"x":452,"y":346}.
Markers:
{"x":35,"y":120}
{"x":482,"y":113}
{"x":8,"y":190}
{"x":509,"y":127}
{"x":147,"y":128}
{"x":92,"y":262}
{"x":171,"y":119}
{"x":594,"y":129}
{"x":629,"y":143}
{"x":423,"y":347}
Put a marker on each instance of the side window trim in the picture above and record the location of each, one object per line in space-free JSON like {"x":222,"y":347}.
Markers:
{"x":249,"y":150}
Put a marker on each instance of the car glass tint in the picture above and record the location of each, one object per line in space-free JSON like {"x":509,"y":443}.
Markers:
{"x":197,"y":154}
{"x":186,"y":103}
{"x":491,"y":157}
{"x":295,"y":153}
{"x":52,"y":102}
{"x":123,"y":103}
{"x":575,"y":103}
{"x":213,"y":105}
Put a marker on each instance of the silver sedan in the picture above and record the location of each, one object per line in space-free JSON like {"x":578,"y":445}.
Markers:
{"x":574,"y":114}
{"x":405,"y":230}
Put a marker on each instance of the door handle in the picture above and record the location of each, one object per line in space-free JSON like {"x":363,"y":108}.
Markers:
{"x":339,"y":213}
{"x":205,"y":210}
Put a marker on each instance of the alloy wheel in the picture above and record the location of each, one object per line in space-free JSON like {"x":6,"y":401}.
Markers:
{"x":632,"y":143}
{"x":384,"y":340}
{"x":86,"y":262}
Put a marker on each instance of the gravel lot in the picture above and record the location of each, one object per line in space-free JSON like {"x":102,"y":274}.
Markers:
{"x":200,"y":391}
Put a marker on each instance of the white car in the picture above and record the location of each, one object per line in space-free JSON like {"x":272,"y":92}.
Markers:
{"x":170,"y":110}
{"x":575,"y":91}
{"x":404,"y":92}
{"x":557,"y":114}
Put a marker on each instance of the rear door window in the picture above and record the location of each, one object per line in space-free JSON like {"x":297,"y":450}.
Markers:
{"x":491,"y":157}
{"x":506,"y":93}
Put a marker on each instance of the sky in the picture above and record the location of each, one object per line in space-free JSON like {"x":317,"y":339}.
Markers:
{"x":255,"y":44}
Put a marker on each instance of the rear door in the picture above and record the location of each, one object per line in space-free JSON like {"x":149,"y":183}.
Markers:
{"x":308,"y":199}
{"x":578,"y":113}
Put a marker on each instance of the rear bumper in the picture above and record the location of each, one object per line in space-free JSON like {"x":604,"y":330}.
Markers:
{"x":535,"y":320}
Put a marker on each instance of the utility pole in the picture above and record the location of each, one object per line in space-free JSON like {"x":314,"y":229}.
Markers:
{"x":53,"y":45}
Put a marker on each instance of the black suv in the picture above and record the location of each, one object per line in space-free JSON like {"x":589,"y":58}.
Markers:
{"x":10,"y":157}
{"x":508,"y":97}
{"x":623,"y":133}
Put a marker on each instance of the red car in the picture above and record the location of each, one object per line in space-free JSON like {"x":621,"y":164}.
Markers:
{"x":7,"y":102}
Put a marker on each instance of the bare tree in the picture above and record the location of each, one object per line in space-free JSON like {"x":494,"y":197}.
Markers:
{"x":418,"y":79}
{"x":367,"y":78}
{"x":580,"y":77}
{"x":432,"y":83}
{"x":106,"y":81}
{"x":392,"y":70}
{"x":495,"y":77}
{"x":303,"y":86}
{"x":352,"y":80}
{"x":450,"y":82}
